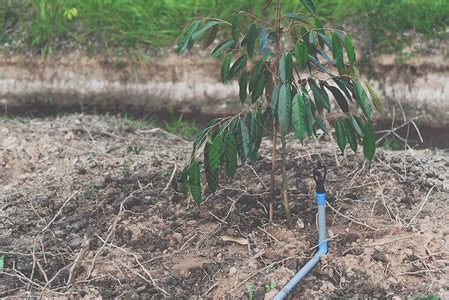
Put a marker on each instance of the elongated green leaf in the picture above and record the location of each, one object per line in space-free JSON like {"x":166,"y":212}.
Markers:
{"x":362,"y":99}
{"x":234,"y":27}
{"x":230,"y":153}
{"x":243,"y":84}
{"x":251,"y":39}
{"x":319,"y":95}
{"x":184,"y":180}
{"x":195,"y":182}
{"x":350,"y":50}
{"x":256,"y":133}
{"x":199,"y":33}
{"x":350,"y":135}
{"x":285,"y":67}
{"x":274,"y":102}
{"x":320,"y":31}
{"x":294,"y":16}
{"x":185,"y":39}
{"x":237,"y":66}
{"x":337,"y":53}
{"x":258,"y":90}
{"x":308,"y":4}
{"x":209,"y":37}
{"x":340,"y":135}
{"x":212,"y":154}
{"x":343,"y":87}
{"x":375,"y":98}
{"x":320,"y":125}
{"x":301,"y":54}
{"x":244,"y":135}
{"x":357,"y":125}
{"x":326,"y":39}
{"x":225,"y":67}
{"x":299,"y":116}
{"x":221,"y":47}
{"x":309,"y":114}
{"x":284,"y":107}
{"x":2,"y":262}
{"x":341,"y":100}
{"x":369,"y":142}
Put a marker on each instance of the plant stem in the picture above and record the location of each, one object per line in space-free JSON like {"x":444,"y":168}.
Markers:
{"x":274,"y":139}
{"x":285,"y":185}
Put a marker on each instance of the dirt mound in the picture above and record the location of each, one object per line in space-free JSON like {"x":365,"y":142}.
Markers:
{"x":90,"y":207}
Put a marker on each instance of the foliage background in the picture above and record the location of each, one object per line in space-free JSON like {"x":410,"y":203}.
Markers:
{"x":117,"y":26}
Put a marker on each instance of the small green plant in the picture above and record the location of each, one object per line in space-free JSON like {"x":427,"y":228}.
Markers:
{"x":70,"y":13}
{"x":270,"y":286}
{"x":392,"y":144}
{"x":181,"y":127}
{"x":249,"y":291}
{"x":428,"y":297}
{"x":289,"y":70}
{"x":134,"y":149}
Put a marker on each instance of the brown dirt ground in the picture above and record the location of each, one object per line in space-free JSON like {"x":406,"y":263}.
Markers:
{"x":87,"y":209}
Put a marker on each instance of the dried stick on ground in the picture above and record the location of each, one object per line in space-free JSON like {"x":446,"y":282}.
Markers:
{"x":112,"y":229}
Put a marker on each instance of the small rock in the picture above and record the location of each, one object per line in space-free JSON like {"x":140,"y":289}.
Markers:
{"x":232,"y":271}
{"x":300,"y":223}
{"x":69,"y":136}
{"x":330,"y":287}
{"x":177,"y":237}
{"x":379,"y":256}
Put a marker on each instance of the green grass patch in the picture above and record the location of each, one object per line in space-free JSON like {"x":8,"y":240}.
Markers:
{"x":120,"y":25}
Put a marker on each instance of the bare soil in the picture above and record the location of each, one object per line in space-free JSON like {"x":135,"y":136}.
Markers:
{"x":91,"y":208}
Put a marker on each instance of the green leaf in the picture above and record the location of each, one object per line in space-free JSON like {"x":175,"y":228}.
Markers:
{"x":225,"y":67}
{"x":362,"y":99}
{"x":184,"y":179}
{"x":294,"y":17}
{"x":230,"y":153}
{"x":212,"y":153}
{"x":337,"y":52}
{"x":243,"y":84}
{"x":375,"y":98}
{"x":234,"y":27}
{"x":350,"y":134}
{"x":199,"y":33}
{"x":309,"y":6}
{"x":320,"y":31}
{"x":284,"y":107}
{"x":357,"y":125}
{"x":185,"y":39}
{"x":325,"y":39}
{"x":221,"y":47}
{"x":320,"y":125}
{"x":2,"y":262}
{"x":343,"y":87}
{"x":237,"y":66}
{"x":309,"y":114}
{"x":257,"y":92}
{"x":340,"y":135}
{"x":319,"y":95}
{"x":244,"y":134}
{"x":350,"y":50}
{"x":255,"y":133}
{"x":301,"y":54}
{"x":285,"y":67}
{"x":251,"y":39}
{"x":274,"y":102}
{"x":209,"y":37}
{"x":195,"y":182}
{"x":369,"y":142}
{"x":341,"y":100}
{"x":299,"y":116}
{"x":257,"y":73}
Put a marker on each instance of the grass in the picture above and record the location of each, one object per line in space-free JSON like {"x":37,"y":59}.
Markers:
{"x":119,"y":25}
{"x":178,"y":126}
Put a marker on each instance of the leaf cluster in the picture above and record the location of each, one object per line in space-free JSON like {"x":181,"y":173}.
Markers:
{"x":316,"y":73}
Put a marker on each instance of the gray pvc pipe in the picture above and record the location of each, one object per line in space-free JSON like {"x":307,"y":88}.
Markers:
{"x":322,"y":249}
